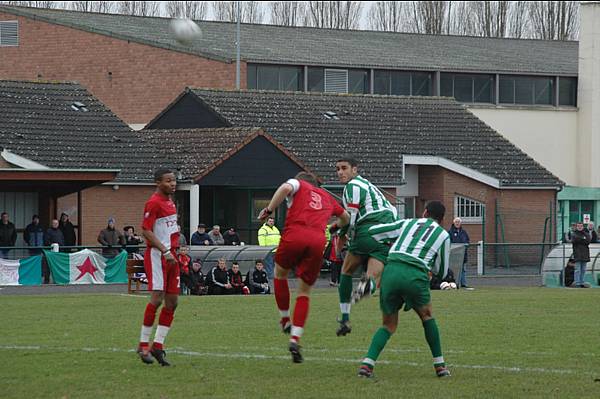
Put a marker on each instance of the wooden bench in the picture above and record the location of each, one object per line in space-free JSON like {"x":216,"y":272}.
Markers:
{"x":134,"y":266}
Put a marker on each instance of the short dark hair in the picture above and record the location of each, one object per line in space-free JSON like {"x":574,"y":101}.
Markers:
{"x":129,"y":227}
{"x":257,"y":261}
{"x":436,"y":210}
{"x":307,"y":177}
{"x":235,"y":262}
{"x":3,"y":213}
{"x":352,"y":161}
{"x":160,"y":172}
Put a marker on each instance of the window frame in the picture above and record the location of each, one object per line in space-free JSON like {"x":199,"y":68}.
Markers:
{"x":531,"y":79}
{"x":18,"y":37}
{"x":467,"y":209}
{"x":472,"y":77}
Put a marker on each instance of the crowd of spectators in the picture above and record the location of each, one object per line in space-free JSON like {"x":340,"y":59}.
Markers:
{"x":214,"y":236}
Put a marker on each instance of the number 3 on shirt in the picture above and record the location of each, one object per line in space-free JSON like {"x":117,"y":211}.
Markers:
{"x":316,"y":201}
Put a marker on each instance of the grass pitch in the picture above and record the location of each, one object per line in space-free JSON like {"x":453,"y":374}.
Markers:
{"x":499,"y":342}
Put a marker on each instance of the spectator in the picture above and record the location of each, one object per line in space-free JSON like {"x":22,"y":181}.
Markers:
{"x":269,"y":235}
{"x":184,"y":261}
{"x":333,"y":259}
{"x":68,"y":230}
{"x":580,"y":239}
{"x":196,"y":281}
{"x":34,"y":235}
{"x":54,"y":235}
{"x":182,"y":240}
{"x":111,"y":239}
{"x":231,"y":237}
{"x":460,"y":236}
{"x":593,"y":234}
{"x":236,"y":279}
{"x":215,"y":235}
{"x":132,"y":241}
{"x":218,"y":279}
{"x":8,"y":235}
{"x":257,"y":279}
{"x":200,"y":237}
{"x":567,"y":236}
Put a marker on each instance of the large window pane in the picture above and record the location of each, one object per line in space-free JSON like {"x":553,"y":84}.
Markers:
{"x":251,"y":76}
{"x":567,"y":91}
{"x":290,"y":78}
{"x":421,"y":84}
{"x":463,"y":88}
{"x":401,"y":83}
{"x":446,"y":84}
{"x":544,"y":91}
{"x":358,"y":81}
{"x":267,"y":77}
{"x":523,"y":90}
{"x":507,"y":90}
{"x":381,"y":82}
{"x":483,"y":88}
{"x":316,"y":79}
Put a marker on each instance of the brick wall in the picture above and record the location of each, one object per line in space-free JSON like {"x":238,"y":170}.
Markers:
{"x":522,"y":211}
{"x":4,"y":164}
{"x":144,"y":78}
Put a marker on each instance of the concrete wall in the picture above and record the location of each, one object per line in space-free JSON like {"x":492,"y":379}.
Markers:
{"x":548,"y":136}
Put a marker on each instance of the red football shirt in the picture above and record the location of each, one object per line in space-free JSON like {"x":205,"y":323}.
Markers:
{"x":160,"y":217}
{"x":310,"y":206}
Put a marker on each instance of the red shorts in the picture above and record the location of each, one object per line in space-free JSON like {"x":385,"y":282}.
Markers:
{"x":161,"y":276}
{"x":302,"y":249}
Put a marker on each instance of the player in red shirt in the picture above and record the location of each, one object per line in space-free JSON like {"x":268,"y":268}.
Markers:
{"x":301,"y":246}
{"x":162,"y":269}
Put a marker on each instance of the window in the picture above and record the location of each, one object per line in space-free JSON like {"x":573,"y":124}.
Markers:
{"x":468,"y":88}
{"x":275,"y":77}
{"x":400,"y":83}
{"x":567,"y":91}
{"x":531,"y":90}
{"x":358,"y":81}
{"x":577,"y":209}
{"x":469,"y":210}
{"x":336,"y":80}
{"x":9,"y":33}
{"x":316,"y":79}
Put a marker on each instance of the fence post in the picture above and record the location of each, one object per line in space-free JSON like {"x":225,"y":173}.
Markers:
{"x":480,"y":258}
{"x":55,"y":247}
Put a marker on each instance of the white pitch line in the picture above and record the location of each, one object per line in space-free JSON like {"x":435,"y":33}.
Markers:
{"x":260,"y":356}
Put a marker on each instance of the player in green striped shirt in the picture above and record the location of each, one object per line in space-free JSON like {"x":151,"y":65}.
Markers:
{"x":419,"y":247}
{"x":367,"y":207}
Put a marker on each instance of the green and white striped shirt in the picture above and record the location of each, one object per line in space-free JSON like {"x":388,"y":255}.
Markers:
{"x":362,"y":199}
{"x":420,"y":242}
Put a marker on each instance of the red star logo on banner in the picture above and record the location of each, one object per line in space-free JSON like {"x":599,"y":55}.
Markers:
{"x":86,"y":267}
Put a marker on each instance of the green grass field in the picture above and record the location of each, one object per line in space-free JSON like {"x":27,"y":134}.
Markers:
{"x":499,"y":342}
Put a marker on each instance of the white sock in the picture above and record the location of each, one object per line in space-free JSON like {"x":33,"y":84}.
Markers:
{"x":345,"y":307}
{"x":284,"y":313}
{"x":161,"y":334}
{"x":145,"y":334}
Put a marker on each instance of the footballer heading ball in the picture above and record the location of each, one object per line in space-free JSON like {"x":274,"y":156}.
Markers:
{"x":185,"y":30}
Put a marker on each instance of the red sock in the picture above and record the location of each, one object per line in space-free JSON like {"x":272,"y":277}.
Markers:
{"x":164,"y":324}
{"x":150,"y":314}
{"x":166,"y":317}
{"x":300,"y":315}
{"x":282,"y":297}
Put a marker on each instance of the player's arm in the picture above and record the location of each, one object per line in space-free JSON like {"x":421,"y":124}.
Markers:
{"x":387,"y":232}
{"x":155,"y":242}
{"x":442,"y":261}
{"x":351,"y":198}
{"x":280,"y":195}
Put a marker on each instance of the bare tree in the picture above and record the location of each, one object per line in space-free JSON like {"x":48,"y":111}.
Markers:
{"x":431,"y":17}
{"x":36,"y":4}
{"x":518,"y":20}
{"x":386,"y":16}
{"x":287,"y":13}
{"x":93,"y":6}
{"x":187,"y":9}
{"x":554,"y":20}
{"x":251,"y":11}
{"x":490,"y":18}
{"x":334,"y":14}
{"x":140,"y":8}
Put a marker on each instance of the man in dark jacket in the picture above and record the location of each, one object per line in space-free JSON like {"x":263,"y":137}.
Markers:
{"x":218,"y":277}
{"x":196,"y":280}
{"x":200,"y":237}
{"x":111,"y":239}
{"x":34,"y":235}
{"x":231,"y":237}
{"x":459,"y":235}
{"x":258,"y":281}
{"x":580,"y":238}
{"x":68,"y":230}
{"x":236,"y":279}
{"x":8,"y":235}
{"x":54,"y":235}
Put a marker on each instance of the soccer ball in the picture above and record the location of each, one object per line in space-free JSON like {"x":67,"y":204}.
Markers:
{"x":185,"y":30}
{"x":453,"y":286}
{"x":445,"y":286}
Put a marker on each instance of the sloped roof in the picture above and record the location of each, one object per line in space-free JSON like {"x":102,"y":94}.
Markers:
{"x":329,"y":47}
{"x":199,"y":151}
{"x":39,"y":121}
{"x":377,"y":130}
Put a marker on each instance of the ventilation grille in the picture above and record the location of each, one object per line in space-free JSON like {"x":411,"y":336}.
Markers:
{"x":336,"y":81}
{"x":9,"y":33}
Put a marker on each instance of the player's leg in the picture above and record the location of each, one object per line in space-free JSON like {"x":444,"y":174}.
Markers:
{"x":300,"y":315}
{"x":282,"y":297}
{"x":432,"y":335}
{"x":156,"y":298}
{"x":351,"y":263}
{"x":368,"y":284}
{"x":378,"y":342}
{"x":172,"y":285}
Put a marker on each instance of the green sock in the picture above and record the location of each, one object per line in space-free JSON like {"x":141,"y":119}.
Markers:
{"x":377,"y":344}
{"x":373,"y":286}
{"x":432,"y":335}
{"x":345,"y":291}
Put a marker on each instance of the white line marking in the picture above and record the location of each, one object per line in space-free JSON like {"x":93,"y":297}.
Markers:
{"x":260,"y":356}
